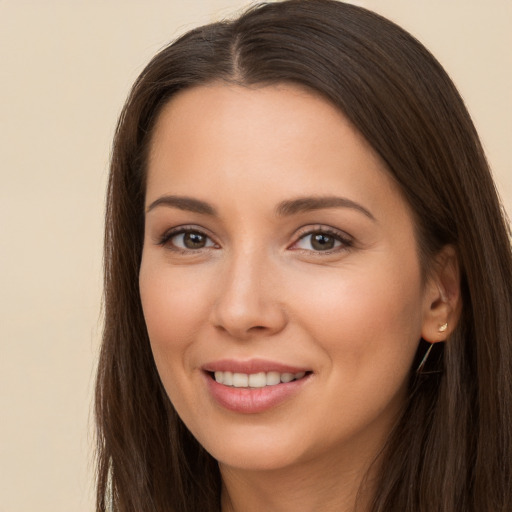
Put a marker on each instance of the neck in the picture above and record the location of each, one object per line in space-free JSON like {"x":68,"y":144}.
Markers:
{"x":311,"y":486}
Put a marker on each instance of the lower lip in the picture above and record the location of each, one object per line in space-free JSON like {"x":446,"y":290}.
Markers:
{"x":253,"y":400}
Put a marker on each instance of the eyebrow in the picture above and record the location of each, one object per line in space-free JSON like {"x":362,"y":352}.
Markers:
{"x":183,"y":203}
{"x":283,"y":209}
{"x":306,"y":204}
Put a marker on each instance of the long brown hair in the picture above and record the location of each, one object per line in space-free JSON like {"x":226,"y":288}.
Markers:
{"x":452,"y":447}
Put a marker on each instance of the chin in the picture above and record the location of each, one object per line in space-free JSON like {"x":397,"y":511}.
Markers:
{"x":255,"y":450}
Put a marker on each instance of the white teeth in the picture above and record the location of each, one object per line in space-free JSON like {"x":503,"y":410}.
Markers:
{"x":240,"y":380}
{"x":273,"y":378}
{"x":225,"y":377}
{"x":255,"y":380}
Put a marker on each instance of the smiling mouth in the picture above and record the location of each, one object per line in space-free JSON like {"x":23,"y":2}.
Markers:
{"x":255,"y":380}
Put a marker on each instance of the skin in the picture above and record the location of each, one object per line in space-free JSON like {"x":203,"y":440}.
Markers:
{"x":352,"y":315}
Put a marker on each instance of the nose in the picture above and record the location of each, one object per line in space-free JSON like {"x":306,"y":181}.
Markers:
{"x":249,"y":301}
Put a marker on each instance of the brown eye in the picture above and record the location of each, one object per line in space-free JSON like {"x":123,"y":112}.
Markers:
{"x":194,"y":240}
{"x":187,"y":240}
{"x":322,"y":241}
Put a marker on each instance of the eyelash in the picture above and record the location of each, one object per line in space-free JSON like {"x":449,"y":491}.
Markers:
{"x":345,"y":242}
{"x":169,"y":235}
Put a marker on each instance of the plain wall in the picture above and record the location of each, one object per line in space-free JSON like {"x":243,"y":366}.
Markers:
{"x":65,"y":69}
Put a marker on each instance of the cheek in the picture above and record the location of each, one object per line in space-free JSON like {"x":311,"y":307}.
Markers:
{"x":173,"y":302}
{"x":174,"y":307}
{"x":368,"y":326}
{"x":366,"y":320}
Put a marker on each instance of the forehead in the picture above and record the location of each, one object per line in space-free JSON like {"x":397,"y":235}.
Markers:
{"x":280,"y":139}
{"x":247,"y":116}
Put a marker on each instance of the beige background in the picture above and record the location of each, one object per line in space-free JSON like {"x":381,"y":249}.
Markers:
{"x":65,"y":69}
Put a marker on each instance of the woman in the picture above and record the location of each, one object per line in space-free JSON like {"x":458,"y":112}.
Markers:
{"x":308,"y":278}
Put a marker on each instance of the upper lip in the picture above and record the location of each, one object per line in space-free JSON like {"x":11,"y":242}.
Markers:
{"x":251,"y":366}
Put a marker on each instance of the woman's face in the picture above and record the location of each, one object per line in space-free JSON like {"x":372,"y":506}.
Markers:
{"x":277,"y":247}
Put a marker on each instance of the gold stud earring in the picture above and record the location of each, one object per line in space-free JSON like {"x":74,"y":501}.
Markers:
{"x":443,"y":327}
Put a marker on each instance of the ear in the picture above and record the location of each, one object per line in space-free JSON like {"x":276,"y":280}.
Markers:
{"x":442,"y":302}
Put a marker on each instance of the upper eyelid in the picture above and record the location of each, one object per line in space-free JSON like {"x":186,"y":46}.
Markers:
{"x":345,"y":239}
{"x":320,"y":228}
{"x":178,"y":230}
